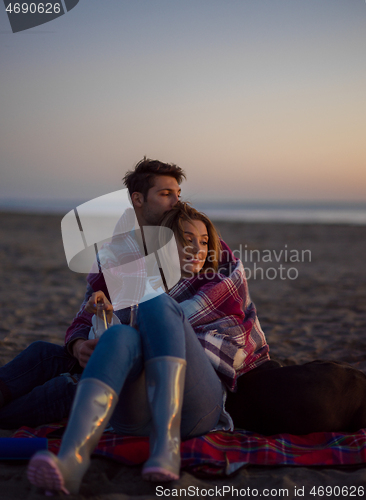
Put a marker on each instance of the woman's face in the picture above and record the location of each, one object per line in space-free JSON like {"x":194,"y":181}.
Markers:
{"x":193,"y":256}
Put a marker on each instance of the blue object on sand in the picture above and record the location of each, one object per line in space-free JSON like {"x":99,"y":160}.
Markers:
{"x":21,"y":448}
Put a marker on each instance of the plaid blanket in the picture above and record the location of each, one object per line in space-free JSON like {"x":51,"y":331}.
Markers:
{"x":224,"y":318}
{"x":223,"y":453}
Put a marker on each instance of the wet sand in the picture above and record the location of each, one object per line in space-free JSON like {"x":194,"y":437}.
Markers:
{"x":311,"y":304}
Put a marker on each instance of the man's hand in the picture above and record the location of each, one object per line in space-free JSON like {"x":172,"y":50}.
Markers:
{"x":83,"y":349}
{"x":100,"y":298}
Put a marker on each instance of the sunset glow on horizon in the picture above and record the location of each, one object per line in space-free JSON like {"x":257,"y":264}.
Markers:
{"x":255,"y":100}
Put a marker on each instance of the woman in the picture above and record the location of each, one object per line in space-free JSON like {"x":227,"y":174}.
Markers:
{"x":164,"y":377}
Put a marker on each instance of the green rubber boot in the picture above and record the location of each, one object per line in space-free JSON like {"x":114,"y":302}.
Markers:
{"x":92,"y":408}
{"x":165,"y":378}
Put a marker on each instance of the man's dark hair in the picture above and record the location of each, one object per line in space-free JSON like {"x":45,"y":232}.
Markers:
{"x":141,"y":179}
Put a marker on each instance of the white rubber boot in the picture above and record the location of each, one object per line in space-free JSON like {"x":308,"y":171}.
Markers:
{"x":165,"y":378}
{"x":92,"y":408}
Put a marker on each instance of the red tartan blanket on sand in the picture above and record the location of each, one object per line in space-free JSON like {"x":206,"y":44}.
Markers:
{"x":223,"y":453}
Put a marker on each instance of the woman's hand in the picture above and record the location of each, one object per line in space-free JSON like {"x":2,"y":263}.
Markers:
{"x":103,"y":303}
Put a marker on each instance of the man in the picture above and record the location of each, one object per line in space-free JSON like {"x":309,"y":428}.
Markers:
{"x":36,"y":387}
{"x":154,"y":188}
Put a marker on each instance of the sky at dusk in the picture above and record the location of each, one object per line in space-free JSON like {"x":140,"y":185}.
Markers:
{"x":255,"y":99}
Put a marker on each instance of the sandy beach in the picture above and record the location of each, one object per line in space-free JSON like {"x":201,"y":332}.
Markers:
{"x":307,"y":281}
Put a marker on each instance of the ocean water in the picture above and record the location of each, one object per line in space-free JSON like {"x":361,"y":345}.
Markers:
{"x":285,"y":212}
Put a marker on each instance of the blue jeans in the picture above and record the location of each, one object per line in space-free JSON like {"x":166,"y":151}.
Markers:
{"x":39,"y":394}
{"x":119,"y":357}
{"x":35,"y":391}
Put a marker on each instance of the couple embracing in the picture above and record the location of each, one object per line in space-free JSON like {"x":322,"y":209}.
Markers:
{"x":169,"y":369}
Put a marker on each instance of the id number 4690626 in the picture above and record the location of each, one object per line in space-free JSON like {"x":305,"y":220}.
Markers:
{"x":33,"y":8}
{"x":337,"y":491}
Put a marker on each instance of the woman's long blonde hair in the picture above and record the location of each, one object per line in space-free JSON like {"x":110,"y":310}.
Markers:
{"x":183,"y":211}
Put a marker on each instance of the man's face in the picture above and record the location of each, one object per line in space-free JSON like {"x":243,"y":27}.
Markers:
{"x":161,"y":198}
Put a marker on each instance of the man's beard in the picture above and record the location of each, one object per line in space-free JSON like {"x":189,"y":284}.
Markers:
{"x":151,"y":218}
